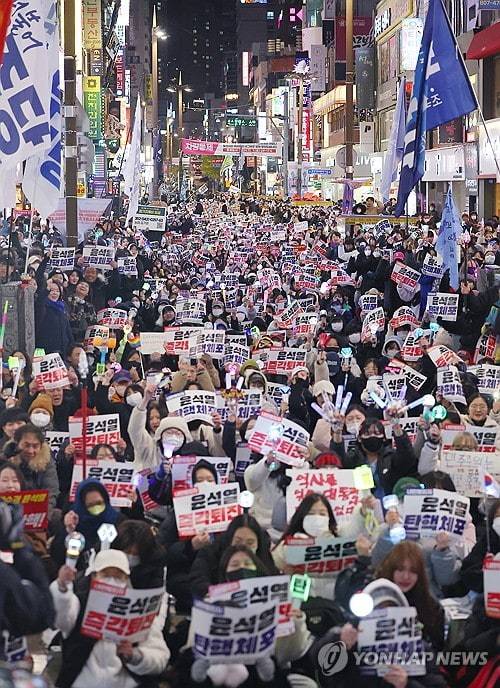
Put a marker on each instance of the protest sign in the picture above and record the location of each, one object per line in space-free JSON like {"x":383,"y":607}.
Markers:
{"x":235,"y":353}
{"x":248,"y":404}
{"x":336,"y":484}
{"x":488,"y":376}
{"x":279,"y":435}
{"x":114,"y":318}
{"x":150,"y":218}
{"x":428,"y":512}
{"x":190,"y":310}
{"x":114,"y":613}
{"x":449,"y":384}
{"x":15,"y":648}
{"x":392,"y":632}
{"x":288,"y":316}
{"x":441,"y":356}
{"x":405,"y":276}
{"x":404,"y":315}
{"x":127,"y":265}
{"x":395,"y":384}
{"x":491,"y":577}
{"x":141,"y":483}
{"x":242,"y":460}
{"x":193,"y":404}
{"x":485,"y":347}
{"x":284,"y":360}
{"x":301,"y":226}
{"x":304,"y":324}
{"x":50,"y":372}
{"x":444,"y":306}
{"x":55,"y":439}
{"x":467,"y":468}
{"x":228,"y":635}
{"x":211,"y":342}
{"x":413,"y":377}
{"x":182,"y":469}
{"x":62,"y":258}
{"x":340,"y":278}
{"x":248,"y":592}
{"x":278,"y":234}
{"x":322,"y":556}
{"x":99,"y":257}
{"x":411,"y":351}
{"x":206,"y":507}
{"x":103,"y":429}
{"x":486,"y":436}
{"x":408,"y":425}
{"x":90,"y":211}
{"x":367,"y":303}
{"x":374,"y":321}
{"x":35,"y":505}
{"x":116,"y":478}
{"x":433,"y":266}
{"x":95,"y":336}
{"x":304,"y":281}
{"x":174,"y":341}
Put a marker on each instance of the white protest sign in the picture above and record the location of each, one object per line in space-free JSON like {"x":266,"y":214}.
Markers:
{"x":337,"y":485}
{"x":441,"y":356}
{"x":190,"y":310}
{"x":235,"y":353}
{"x":116,"y":614}
{"x":449,"y":384}
{"x":116,"y":478}
{"x":392,"y":632}
{"x":50,"y":372}
{"x":174,"y":341}
{"x":444,"y":306}
{"x":405,"y":276}
{"x":127,"y":265}
{"x":112,"y":317}
{"x":413,"y":377}
{"x":433,"y":266}
{"x":182,"y":469}
{"x":491,"y":575}
{"x":99,"y":257}
{"x":55,"y":439}
{"x":242,"y":460}
{"x":94,"y":336}
{"x":467,"y":469}
{"x":488,"y":376}
{"x":322,"y":556}
{"x":102,"y":429}
{"x":288,"y":316}
{"x":279,"y":435}
{"x":301,"y":226}
{"x":150,"y":218}
{"x":62,"y":258}
{"x":211,"y":342}
{"x":206,"y":507}
{"x":284,"y":361}
{"x":404,"y":315}
{"x":193,"y":404}
{"x":485,"y":348}
{"x":90,"y":211}
{"x":249,"y":634}
{"x":486,"y":436}
{"x":428,"y":512}
{"x":375,"y":320}
{"x":368,"y":302}
{"x":250,"y":591}
{"x":249,"y":403}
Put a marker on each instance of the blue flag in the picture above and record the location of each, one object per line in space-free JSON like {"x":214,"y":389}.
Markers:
{"x":441,"y":92}
{"x":396,"y":146}
{"x":447,"y":242}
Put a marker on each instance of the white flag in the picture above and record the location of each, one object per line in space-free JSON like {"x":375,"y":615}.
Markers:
{"x":395,"y":149}
{"x":42,"y":174}
{"x":133,"y":169}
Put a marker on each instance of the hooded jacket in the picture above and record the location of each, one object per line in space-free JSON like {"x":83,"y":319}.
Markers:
{"x":39,"y":473}
{"x":146,"y":448}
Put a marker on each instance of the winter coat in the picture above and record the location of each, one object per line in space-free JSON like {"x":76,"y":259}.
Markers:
{"x":52,"y":328}
{"x":266,"y":492}
{"x":147,"y":453}
{"x":99,"y":661}
{"x":40,"y":473}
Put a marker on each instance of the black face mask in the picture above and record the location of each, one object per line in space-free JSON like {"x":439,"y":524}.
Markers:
{"x":304,"y":384}
{"x":240,"y":574}
{"x":372,"y":444}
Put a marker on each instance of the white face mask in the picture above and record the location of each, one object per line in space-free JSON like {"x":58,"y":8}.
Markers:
{"x":115,"y":582}
{"x":376,"y":254}
{"x":133,"y":560}
{"x":134,"y":399}
{"x":40,"y":419}
{"x":352,"y":428}
{"x":390,"y":353}
{"x":489,"y":259}
{"x":217,"y":312}
{"x":315,"y":525}
{"x":496,"y":525}
{"x":337,"y":327}
{"x":355,"y":337}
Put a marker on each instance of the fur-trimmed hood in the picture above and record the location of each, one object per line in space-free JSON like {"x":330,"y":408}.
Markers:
{"x":39,"y":464}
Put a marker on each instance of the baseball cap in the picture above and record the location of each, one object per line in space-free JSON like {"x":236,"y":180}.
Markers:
{"x":111,"y":558}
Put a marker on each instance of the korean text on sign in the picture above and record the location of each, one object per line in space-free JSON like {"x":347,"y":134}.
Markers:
{"x":35,"y":505}
{"x":103,"y":429}
{"x":321,"y":556}
{"x":427,"y":512}
{"x":116,"y":478}
{"x":50,"y":372}
{"x":281,"y":436}
{"x":336,"y":484}
{"x":206,"y":507}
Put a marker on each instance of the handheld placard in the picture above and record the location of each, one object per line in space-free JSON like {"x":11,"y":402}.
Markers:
{"x":75,"y":542}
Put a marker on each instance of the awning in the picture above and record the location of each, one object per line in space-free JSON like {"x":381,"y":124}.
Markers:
{"x":485,"y":43}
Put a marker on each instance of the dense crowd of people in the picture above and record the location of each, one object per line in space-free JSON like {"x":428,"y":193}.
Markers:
{"x":249,"y":325}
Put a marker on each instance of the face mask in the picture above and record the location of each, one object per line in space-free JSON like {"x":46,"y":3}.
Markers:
{"x":489,"y":259}
{"x":391,"y":353}
{"x":315,"y":525}
{"x":239,"y":574}
{"x":96,"y":509}
{"x":217,"y":312}
{"x":372,"y":444}
{"x":39,"y":419}
{"x":136,"y":303}
{"x":355,"y":337}
{"x":115,"y":582}
{"x":337,"y":327}
{"x":352,"y":428}
{"x":376,"y":254}
{"x":172,"y":442}
{"x":133,"y":560}
{"x":134,"y":399}
{"x":368,"y":252}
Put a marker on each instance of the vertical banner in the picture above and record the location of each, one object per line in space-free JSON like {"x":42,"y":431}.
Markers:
{"x":93,"y":106}
{"x":365,"y":77}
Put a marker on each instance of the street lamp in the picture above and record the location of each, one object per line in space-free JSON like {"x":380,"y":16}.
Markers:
{"x":180,"y":88}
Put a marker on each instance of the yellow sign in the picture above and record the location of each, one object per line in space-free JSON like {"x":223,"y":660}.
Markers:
{"x":325,"y":204}
{"x":81,"y":186}
{"x":149,"y":88}
{"x":92,"y":26}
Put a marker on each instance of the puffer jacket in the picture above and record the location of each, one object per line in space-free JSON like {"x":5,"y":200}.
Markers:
{"x":146,"y":450}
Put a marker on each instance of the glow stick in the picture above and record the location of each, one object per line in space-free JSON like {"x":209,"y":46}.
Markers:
{"x":338,"y":400}
{"x":423,"y":401}
{"x":228,"y":380}
{"x":322,"y":412}
{"x":240,"y":382}
{"x":380,"y":403}
{"x":16,"y":380}
{"x":347,"y":401}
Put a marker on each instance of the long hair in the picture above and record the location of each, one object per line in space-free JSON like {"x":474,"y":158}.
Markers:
{"x":138,"y":533}
{"x":296,"y":524}
{"x":263,"y":542}
{"x":261,"y":568}
{"x":428,"y":610}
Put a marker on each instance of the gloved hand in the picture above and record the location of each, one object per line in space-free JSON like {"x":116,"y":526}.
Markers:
{"x":199,"y":670}
{"x":11,"y":526}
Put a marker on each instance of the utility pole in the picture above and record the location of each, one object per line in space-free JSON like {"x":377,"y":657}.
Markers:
{"x":286,"y":139}
{"x":299,"y":142}
{"x":70,"y":136}
{"x":154,"y":60}
{"x":349,"y":92}
{"x":180,"y":114}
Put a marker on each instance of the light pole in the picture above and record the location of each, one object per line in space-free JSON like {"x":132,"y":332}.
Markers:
{"x":179,"y":88}
{"x":157,"y":34}
{"x":70,"y":143}
{"x":349,"y":92}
